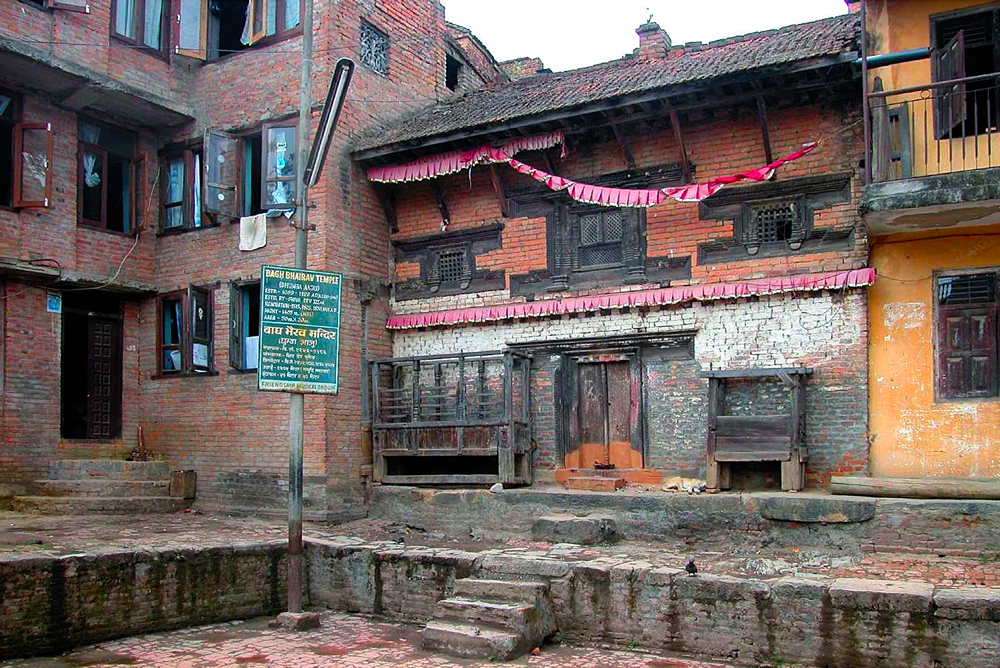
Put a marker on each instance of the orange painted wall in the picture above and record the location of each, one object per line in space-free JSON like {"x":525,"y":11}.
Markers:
{"x":911,"y":434}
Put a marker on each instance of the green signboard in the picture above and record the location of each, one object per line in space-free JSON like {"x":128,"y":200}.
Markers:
{"x":299,"y":330}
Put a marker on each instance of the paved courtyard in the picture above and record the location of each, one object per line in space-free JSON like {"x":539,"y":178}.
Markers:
{"x":343,"y":640}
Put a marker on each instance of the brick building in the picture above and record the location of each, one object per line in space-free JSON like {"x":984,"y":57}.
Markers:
{"x":648,"y":328}
{"x":130,"y":144}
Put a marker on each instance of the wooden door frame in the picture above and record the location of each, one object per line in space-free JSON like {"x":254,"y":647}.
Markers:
{"x":568,"y":398}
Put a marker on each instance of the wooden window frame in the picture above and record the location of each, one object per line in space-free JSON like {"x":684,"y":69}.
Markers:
{"x":280,"y":32}
{"x":189,"y":224}
{"x":163,"y":52}
{"x":575,"y":216}
{"x":186,"y":346}
{"x":18,"y":200}
{"x":750,"y":237}
{"x":237,"y":325}
{"x":939,"y":314}
{"x":10,"y":125}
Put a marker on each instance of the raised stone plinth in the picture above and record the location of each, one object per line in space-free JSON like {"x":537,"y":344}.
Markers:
{"x":587,"y":530}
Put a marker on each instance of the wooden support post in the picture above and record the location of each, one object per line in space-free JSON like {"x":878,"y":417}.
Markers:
{"x":442,"y":205}
{"x":626,"y":150}
{"x":712,"y":474}
{"x":415,"y":408}
{"x":387,"y":198}
{"x":764,"y":132}
{"x":460,"y":408}
{"x":679,"y":136}
{"x":498,"y":188}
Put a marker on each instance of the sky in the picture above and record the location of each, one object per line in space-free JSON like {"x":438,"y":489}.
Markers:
{"x":567,"y":34}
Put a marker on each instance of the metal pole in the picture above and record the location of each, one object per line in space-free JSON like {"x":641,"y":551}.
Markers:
{"x":297,"y":399}
{"x":866,"y":116}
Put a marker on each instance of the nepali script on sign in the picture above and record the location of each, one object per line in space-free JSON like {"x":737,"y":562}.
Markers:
{"x":299,"y":330}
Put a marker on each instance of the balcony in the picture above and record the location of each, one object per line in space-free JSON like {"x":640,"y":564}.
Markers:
{"x":934,"y":156}
{"x":452,"y":419}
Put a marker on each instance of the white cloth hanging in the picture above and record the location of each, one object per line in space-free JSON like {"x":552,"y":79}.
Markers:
{"x":253,"y":232}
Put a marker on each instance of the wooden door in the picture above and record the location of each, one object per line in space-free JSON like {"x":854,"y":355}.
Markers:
{"x":604,"y":407}
{"x":103,"y":377}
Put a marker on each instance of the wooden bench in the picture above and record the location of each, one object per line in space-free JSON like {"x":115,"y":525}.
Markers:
{"x":757,"y":438}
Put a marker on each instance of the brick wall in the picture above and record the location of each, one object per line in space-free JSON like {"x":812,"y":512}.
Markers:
{"x":820,"y":330}
{"x":51,"y":604}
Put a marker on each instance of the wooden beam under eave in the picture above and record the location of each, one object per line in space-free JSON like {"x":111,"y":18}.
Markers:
{"x":764,"y":133}
{"x":498,"y":187}
{"x":442,"y":205}
{"x":626,"y":150}
{"x":387,"y":198}
{"x":679,"y":136}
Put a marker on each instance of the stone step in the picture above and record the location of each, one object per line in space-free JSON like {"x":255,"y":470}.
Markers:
{"x":106,"y":488}
{"x":501,"y":590}
{"x":472,"y":641}
{"x":107,"y":469}
{"x":510,"y":616}
{"x":588,"y":530}
{"x":80,"y":505}
{"x":595,"y":483}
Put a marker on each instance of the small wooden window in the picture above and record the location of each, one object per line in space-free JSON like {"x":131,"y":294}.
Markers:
{"x":374,"y":48}
{"x":967,"y":336}
{"x":108,"y":179}
{"x":143,"y":23}
{"x":221,"y":174}
{"x":244,"y":318}
{"x":181,"y":194}
{"x":773,"y":222}
{"x":450,"y":268}
{"x":185,"y":331}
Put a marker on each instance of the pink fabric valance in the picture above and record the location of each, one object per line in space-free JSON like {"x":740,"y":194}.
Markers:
{"x":449,"y":163}
{"x":455,"y":161}
{"x":854,"y":278}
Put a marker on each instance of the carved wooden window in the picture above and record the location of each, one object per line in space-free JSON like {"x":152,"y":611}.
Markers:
{"x":374,"y":48}
{"x":773,"y":221}
{"x":599,"y":236}
{"x":451,"y":268}
{"x":967,"y":336}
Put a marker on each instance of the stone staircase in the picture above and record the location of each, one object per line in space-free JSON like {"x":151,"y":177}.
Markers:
{"x":497,"y":620}
{"x":102,"y":486}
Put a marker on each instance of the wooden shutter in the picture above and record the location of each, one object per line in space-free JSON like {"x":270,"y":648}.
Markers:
{"x":221,"y":174}
{"x":202,"y":323}
{"x":949,"y":103}
{"x":967,"y":351}
{"x":192,"y":33}
{"x":235,"y":326}
{"x":32,"y":164}
{"x":258,"y":20}
{"x":71,"y":5}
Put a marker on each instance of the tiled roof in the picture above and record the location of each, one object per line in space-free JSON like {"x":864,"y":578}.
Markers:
{"x":534,"y":95}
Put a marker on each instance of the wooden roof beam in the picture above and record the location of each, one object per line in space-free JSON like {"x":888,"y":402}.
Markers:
{"x":675,"y":121}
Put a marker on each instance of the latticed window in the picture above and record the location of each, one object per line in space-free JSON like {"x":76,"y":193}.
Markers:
{"x":772,"y":221}
{"x":452,"y":266}
{"x":374,"y":48}
{"x":599,"y":238}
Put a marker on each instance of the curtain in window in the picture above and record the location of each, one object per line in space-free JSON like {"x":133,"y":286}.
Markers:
{"x":125,"y":18}
{"x":4,"y":103}
{"x":196,"y":195}
{"x":153,"y":20}
{"x":126,"y":198}
{"x":90,"y":134}
{"x":291,"y":13}
{"x":245,"y":37}
{"x":271,"y":17}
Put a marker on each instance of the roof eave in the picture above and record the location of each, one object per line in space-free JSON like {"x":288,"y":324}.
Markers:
{"x":608,"y":104}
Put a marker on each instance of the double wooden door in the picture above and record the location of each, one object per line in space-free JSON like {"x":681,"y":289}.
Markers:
{"x":605,"y":417}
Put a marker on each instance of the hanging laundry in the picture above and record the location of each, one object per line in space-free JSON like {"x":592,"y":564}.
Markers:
{"x":253,"y":232}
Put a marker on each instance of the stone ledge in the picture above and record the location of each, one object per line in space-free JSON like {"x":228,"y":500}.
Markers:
{"x":815,"y":509}
{"x":883,"y":595}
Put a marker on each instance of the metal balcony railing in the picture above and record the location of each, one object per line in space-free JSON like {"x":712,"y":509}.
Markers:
{"x":937,"y":128}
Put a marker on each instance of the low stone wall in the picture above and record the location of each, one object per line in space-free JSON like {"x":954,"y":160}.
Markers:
{"x":50,"y":604}
{"x":791,"y":520}
{"x":838,"y":623}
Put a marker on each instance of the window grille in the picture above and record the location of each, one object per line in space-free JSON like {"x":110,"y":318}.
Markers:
{"x":771,"y":221}
{"x":600,"y":238}
{"x":971,"y":289}
{"x":374,"y":48}
{"x":451,"y":266}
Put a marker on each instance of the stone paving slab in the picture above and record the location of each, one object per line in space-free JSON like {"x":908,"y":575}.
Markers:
{"x":341,"y":640}
{"x":25,"y":533}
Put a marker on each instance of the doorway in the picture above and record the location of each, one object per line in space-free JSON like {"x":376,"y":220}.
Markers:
{"x":604,"y":417}
{"x":91,"y":370}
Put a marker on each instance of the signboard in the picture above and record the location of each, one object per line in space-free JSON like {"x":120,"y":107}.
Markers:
{"x":299,"y":330}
